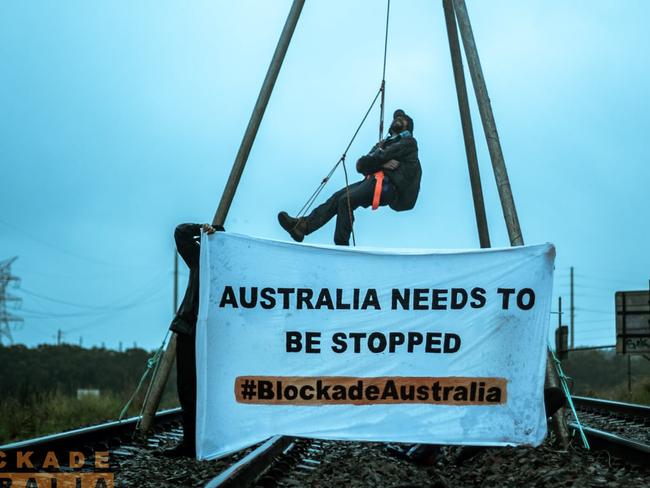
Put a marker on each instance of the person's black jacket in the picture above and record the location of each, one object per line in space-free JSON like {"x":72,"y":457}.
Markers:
{"x":406,"y":177}
{"x":188,"y":239}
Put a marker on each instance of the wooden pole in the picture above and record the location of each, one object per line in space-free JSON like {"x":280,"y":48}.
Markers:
{"x":160,"y":380}
{"x":572,"y":310}
{"x":258,"y":113}
{"x":161,"y":375}
{"x":489,"y":125}
{"x":500,"y":173}
{"x":466,"y":122}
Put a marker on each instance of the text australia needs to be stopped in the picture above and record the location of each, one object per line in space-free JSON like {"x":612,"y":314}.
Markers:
{"x":401,"y":299}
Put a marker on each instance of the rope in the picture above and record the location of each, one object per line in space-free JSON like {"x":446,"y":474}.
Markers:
{"x":381,"y":93}
{"x":567,"y":394}
{"x":347,"y":194}
{"x":310,"y":201}
{"x":152,"y":362}
{"x":382,"y":88}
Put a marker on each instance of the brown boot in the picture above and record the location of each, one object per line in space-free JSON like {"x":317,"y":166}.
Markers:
{"x":297,"y":228}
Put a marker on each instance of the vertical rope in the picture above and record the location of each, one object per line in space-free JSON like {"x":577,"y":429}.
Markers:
{"x":152,"y":362}
{"x":381,"y":94}
{"x":310,"y":201}
{"x":382,"y":88}
{"x":567,"y":394}
{"x":347,"y":194}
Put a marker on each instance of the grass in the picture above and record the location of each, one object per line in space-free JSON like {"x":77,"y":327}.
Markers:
{"x":640,"y":393}
{"x":51,"y":412}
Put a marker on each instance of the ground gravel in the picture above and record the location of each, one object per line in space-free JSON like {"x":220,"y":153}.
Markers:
{"x":361,"y":465}
{"x":358,"y":465}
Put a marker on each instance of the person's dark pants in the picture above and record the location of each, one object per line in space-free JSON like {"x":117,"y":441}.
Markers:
{"x":360,"y":195}
{"x":186,"y":386}
{"x":184,"y":324}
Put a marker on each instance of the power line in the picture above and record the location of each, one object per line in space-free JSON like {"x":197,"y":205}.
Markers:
{"x":102,"y":320}
{"x":599,"y":271}
{"x":140,"y":300}
{"x":98,"y":320}
{"x":62,"y":302}
{"x":112,"y":306}
{"x":64,"y":250}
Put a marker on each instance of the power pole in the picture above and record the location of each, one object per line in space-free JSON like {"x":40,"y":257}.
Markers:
{"x":175,"y":299}
{"x":6,"y":318}
{"x":59,"y":335}
{"x":561,"y":335}
{"x":629,"y":373}
{"x":572,"y":310}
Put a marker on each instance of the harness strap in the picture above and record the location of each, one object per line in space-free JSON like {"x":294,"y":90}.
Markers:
{"x":379,"y":181}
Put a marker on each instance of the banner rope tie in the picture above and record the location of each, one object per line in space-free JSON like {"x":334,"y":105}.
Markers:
{"x":567,"y":394}
{"x":152,"y":364}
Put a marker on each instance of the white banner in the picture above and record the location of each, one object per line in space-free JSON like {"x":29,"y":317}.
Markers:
{"x":444,"y":347}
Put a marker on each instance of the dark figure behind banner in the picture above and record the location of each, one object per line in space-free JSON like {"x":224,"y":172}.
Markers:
{"x":392,"y":175}
{"x":188,"y":238}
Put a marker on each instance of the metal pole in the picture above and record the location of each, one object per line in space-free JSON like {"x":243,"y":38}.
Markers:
{"x":466,"y":122}
{"x":258,"y":113}
{"x":572,"y":309}
{"x":167,"y":360}
{"x":500,"y":173}
{"x":559,"y":313}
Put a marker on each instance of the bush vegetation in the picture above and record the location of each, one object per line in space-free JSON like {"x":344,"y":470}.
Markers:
{"x":39,"y":388}
{"x":603,"y":374}
{"x":39,"y":385}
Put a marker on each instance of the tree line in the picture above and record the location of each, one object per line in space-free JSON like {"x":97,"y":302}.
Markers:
{"x":65,"y":368}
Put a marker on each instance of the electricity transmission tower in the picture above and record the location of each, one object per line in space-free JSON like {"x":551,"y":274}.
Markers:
{"x":6,"y":319}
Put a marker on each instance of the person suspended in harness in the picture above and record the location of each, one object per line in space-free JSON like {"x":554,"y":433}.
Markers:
{"x":392,"y":174}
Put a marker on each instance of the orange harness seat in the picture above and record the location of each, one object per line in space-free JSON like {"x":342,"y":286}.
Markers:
{"x":379,"y":181}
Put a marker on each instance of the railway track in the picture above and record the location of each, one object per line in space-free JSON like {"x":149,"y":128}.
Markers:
{"x":116,"y":437}
{"x":627,"y":436}
{"x":108,"y":435}
{"x":619,"y":428}
{"x":622,"y":429}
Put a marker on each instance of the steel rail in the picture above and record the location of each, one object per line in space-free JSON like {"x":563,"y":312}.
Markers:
{"x":630,"y":409}
{"x":626,"y":449}
{"x":88,"y":435}
{"x":248,"y":469}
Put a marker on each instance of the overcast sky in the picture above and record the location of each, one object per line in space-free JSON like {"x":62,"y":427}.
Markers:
{"x":122,"y":119}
